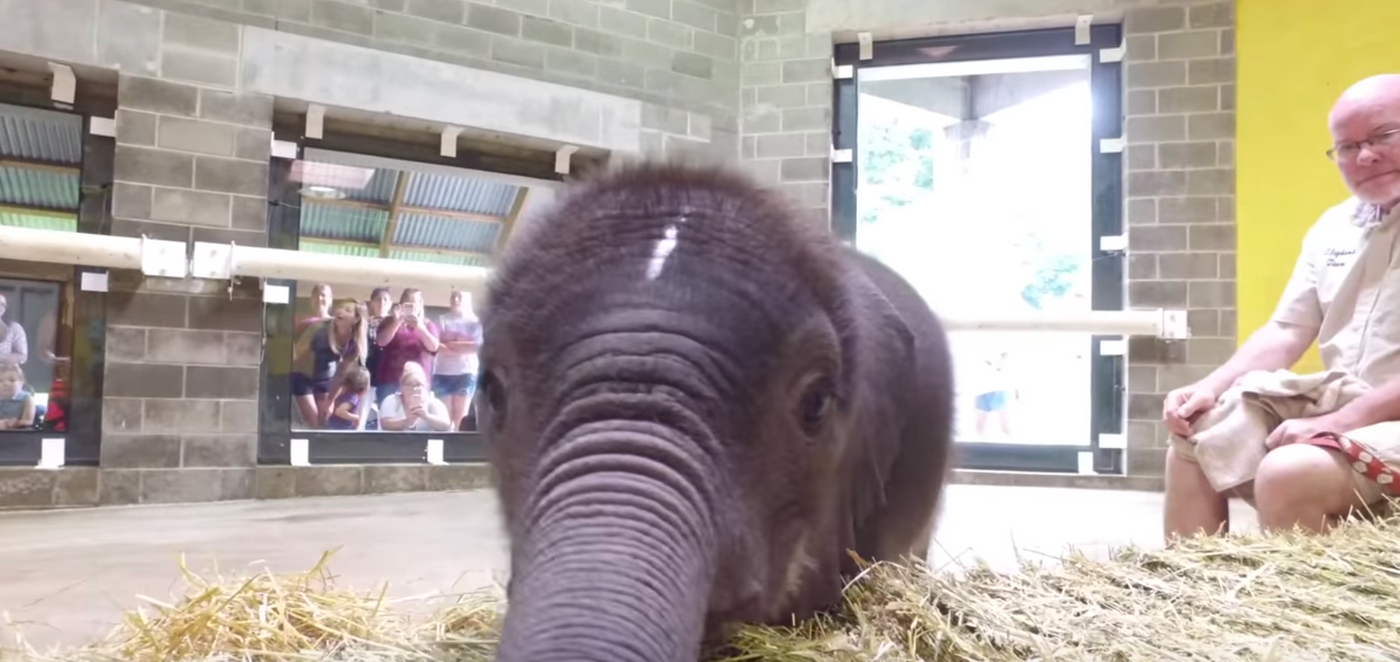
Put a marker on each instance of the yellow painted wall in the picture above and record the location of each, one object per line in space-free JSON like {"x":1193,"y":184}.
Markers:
{"x":1294,"y":58}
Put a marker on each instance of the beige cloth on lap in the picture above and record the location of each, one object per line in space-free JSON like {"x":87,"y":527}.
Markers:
{"x":1229,"y":438}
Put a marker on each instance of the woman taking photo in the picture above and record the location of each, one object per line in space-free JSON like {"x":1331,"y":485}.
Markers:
{"x":321,"y":355}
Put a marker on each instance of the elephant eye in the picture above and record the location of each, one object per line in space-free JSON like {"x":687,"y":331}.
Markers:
{"x":494,"y":396}
{"x":816,"y":405}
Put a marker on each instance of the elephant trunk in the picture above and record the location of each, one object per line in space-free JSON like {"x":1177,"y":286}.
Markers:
{"x":618,"y":552}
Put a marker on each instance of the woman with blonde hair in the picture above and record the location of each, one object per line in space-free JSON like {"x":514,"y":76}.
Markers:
{"x":322,"y":354}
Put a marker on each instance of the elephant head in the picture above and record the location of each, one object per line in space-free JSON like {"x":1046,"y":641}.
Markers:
{"x":677,"y":377}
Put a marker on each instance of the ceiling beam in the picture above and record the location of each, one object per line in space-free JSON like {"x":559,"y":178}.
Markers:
{"x":395,"y":207}
{"x":31,"y":210}
{"x":40,"y":166}
{"x":406,"y":209}
{"x":508,"y":225}
{"x":393,"y":247}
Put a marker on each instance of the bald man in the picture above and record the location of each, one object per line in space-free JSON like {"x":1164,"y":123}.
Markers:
{"x":1345,"y":294}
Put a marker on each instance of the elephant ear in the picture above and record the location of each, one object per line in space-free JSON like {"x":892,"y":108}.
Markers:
{"x":882,"y":351}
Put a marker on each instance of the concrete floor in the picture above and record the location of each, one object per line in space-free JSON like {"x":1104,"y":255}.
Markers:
{"x":65,"y":577}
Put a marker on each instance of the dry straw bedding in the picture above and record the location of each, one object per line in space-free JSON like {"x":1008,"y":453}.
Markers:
{"x":1283,"y":597}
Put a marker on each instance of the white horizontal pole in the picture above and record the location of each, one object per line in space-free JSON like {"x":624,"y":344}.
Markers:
{"x":56,"y":247}
{"x":222,"y":261}
{"x":1159,"y":323}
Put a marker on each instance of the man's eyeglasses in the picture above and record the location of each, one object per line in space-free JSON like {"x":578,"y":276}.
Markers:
{"x":1349,"y":151}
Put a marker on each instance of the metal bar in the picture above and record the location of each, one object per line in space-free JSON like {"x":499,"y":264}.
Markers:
{"x":1109,"y":322}
{"x":56,"y":247}
{"x":395,"y":209}
{"x":222,"y":261}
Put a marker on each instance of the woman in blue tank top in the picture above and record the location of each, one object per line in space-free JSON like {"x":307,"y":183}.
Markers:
{"x":322,"y":353}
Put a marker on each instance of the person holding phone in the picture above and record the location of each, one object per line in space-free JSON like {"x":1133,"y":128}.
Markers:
{"x":413,"y":408}
{"x":404,"y":336}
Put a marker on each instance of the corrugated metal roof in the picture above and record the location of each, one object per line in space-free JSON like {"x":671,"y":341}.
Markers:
{"x":424,"y":231}
{"x":40,"y":135}
{"x":39,"y":188}
{"x":463,"y":194}
{"x":39,"y":221}
{"x":439,"y":258}
{"x":414,"y":231}
{"x":380,"y":189}
{"x":345,"y":223}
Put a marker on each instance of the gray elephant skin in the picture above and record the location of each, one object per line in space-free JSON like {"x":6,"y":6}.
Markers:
{"x":696,"y":406}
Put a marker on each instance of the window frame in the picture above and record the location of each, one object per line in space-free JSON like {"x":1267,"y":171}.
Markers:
{"x":86,"y":309}
{"x":284,"y":220}
{"x":1107,"y":379}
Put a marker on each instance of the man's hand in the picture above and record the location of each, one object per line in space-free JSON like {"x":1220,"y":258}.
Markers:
{"x":1300,"y":430}
{"x":1182,"y":406}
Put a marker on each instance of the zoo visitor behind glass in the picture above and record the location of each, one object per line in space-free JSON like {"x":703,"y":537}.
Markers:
{"x":382,"y":365}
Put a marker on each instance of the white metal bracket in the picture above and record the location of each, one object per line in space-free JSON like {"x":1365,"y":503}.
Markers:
{"x":163,"y":258}
{"x":433,"y":452}
{"x":1112,"y":145}
{"x":278,"y":294}
{"x":563,"y":159}
{"x":284,"y":149}
{"x":65,"y":84}
{"x":1113,"y":243}
{"x":1113,"y":441}
{"x":300,"y":453}
{"x":1108,"y":55}
{"x":1086,"y":463}
{"x":867,"y":45}
{"x":52,"y":453}
{"x":212,"y":260}
{"x":841,"y":156}
{"x":1117,"y":347}
{"x":103,"y":126}
{"x":1174,"y":325}
{"x":315,"y":121}
{"x":842,"y":71}
{"x":1081,"y":29}
{"x":449,"y":141}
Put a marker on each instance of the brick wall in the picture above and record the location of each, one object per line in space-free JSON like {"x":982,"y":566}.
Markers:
{"x":180,"y":416}
{"x":1180,"y":205}
{"x":785,"y":98}
{"x":681,"y":55}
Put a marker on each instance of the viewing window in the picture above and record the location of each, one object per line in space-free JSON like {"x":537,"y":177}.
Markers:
{"x":395,"y":363}
{"x":977,"y":175}
{"x":54,"y":176}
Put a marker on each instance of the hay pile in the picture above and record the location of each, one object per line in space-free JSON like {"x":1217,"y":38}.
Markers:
{"x":1269,"y":598}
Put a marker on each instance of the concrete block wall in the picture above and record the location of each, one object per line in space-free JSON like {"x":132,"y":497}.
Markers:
{"x":680,"y":55}
{"x":785,"y":95}
{"x":181,"y":409}
{"x":1180,"y":203}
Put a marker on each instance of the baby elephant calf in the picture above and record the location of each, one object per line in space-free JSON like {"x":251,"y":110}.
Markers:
{"x":696,"y":403}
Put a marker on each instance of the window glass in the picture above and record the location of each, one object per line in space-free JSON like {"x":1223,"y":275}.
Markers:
{"x":401,"y":358}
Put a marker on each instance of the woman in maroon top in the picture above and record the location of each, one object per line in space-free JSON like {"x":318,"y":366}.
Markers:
{"x":403,"y":336}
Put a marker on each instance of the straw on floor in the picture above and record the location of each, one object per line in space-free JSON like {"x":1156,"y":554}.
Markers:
{"x":1267,"y":598}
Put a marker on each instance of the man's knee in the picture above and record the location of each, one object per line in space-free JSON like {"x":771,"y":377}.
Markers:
{"x":1304,"y":475}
